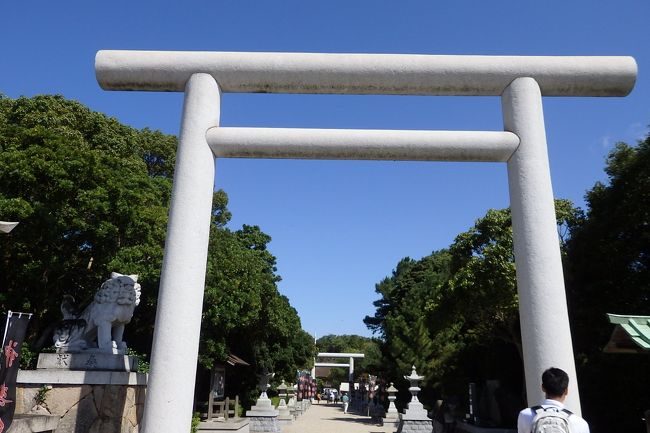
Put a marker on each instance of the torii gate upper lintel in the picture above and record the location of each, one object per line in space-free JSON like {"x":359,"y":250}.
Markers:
{"x":520,"y":81}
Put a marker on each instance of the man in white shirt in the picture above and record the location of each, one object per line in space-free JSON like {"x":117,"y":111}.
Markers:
{"x":555,"y":384}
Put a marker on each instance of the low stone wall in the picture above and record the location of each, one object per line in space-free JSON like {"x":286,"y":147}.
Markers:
{"x":86,"y":401}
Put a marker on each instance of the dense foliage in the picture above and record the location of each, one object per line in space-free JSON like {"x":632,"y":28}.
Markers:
{"x":454,"y":313}
{"x":609,"y":272}
{"x":92,"y":197}
{"x":370,"y":364}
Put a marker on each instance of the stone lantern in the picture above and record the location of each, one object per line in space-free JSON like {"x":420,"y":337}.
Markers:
{"x":282,"y":392}
{"x":415,"y":419}
{"x":414,"y":389}
{"x":284,"y":413}
{"x":392,"y":416}
{"x":392,"y":410}
{"x":293,"y":405}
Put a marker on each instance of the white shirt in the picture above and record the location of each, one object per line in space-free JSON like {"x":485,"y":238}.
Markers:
{"x":525,"y":420}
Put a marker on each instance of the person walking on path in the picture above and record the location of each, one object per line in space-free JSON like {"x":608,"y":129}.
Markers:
{"x":555,"y":384}
{"x":345,"y":399}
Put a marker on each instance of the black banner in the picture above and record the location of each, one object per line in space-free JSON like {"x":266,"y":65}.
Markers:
{"x":14,"y":334}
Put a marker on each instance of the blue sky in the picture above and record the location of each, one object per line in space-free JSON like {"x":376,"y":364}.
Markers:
{"x":340,"y":227}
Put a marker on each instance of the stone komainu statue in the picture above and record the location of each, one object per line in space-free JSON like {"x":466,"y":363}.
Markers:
{"x":100,"y":326}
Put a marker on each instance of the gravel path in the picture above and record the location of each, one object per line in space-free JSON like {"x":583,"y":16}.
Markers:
{"x":329,"y":418}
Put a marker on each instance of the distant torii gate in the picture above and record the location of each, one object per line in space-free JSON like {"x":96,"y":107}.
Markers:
{"x":521,"y":145}
{"x":349,"y":365}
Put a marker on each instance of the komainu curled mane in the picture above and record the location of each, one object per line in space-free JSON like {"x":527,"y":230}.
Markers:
{"x":100,"y":326}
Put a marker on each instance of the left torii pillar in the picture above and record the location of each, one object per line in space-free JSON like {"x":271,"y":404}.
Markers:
{"x":174,"y":353}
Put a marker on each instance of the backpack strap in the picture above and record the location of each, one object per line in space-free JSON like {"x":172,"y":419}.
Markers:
{"x":537,"y":409}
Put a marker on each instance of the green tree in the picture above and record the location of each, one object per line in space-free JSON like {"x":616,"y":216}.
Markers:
{"x":243,"y":312}
{"x":454,"y":314}
{"x":370,"y":364}
{"x":609,"y":272}
{"x":407,"y":300}
{"x":91,"y":195}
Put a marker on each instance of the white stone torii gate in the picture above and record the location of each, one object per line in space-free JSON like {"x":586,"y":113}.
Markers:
{"x":349,"y":365}
{"x":520,"y":81}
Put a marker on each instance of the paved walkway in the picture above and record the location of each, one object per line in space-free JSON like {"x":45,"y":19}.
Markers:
{"x":329,"y":418}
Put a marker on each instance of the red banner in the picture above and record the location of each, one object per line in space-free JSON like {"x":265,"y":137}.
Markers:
{"x":12,"y":341}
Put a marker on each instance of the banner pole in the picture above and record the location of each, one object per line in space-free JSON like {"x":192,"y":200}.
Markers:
{"x":4,"y":336}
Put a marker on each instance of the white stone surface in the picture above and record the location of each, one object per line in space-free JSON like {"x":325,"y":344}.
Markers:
{"x":546,"y":336}
{"x":415,"y":411}
{"x":263,"y":424}
{"x":406,"y":74}
{"x":87,"y":361}
{"x":263,"y":416}
{"x":66,"y":377}
{"x":175,"y":346}
{"x":240,"y":425}
{"x":415,"y":426}
{"x":331,"y":364}
{"x":340,"y":354}
{"x":284,"y":413}
{"x":100,"y":326}
{"x":263,"y":407}
{"x":28,"y":423}
{"x":486,"y":146}
{"x":7,"y":226}
{"x":183,"y":273}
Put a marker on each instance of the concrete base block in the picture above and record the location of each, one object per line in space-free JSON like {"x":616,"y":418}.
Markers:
{"x":390,"y":424}
{"x":28,"y":423}
{"x":415,"y":426}
{"x":285,"y":417}
{"x":263,"y":424}
{"x":239,"y":425}
{"x":86,"y":362}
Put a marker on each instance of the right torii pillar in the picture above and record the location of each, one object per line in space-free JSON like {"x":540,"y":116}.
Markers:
{"x":545,"y":331}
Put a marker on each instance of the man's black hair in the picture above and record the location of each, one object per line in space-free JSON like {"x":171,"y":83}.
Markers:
{"x":555,"y":382}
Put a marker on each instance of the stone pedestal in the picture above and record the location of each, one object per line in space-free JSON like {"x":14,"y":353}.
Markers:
{"x":415,"y":426}
{"x":297,"y":408}
{"x":390,"y":424}
{"x":415,"y":419}
{"x":263,"y":417}
{"x":28,"y":423}
{"x":86,"y":361}
{"x":284,"y":413}
{"x":82,"y":401}
{"x":239,"y":425}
